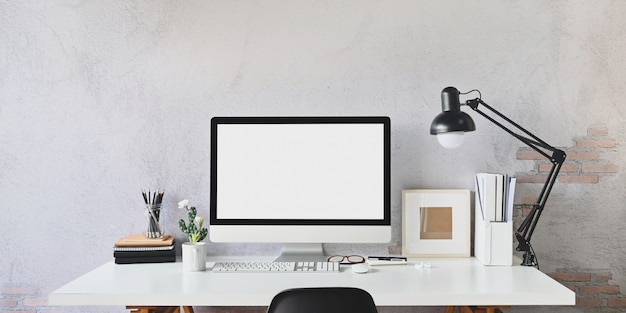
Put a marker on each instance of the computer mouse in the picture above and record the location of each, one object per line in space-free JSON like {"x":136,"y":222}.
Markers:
{"x":360,"y":268}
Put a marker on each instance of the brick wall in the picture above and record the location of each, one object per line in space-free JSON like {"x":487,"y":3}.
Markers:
{"x":25,"y":300}
{"x":594,"y":291}
{"x":587,"y":162}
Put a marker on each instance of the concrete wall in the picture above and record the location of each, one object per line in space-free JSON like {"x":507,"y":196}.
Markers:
{"x":99,"y":99}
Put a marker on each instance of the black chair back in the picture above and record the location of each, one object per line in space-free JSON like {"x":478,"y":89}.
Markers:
{"x":323,"y":300}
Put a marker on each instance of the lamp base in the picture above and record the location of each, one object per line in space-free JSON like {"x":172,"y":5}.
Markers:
{"x":523,"y":245}
{"x":529,"y":259}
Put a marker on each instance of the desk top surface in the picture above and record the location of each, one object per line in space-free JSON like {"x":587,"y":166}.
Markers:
{"x":448,"y":282}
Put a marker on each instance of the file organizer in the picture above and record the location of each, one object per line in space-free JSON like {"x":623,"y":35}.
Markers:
{"x":493,"y":240}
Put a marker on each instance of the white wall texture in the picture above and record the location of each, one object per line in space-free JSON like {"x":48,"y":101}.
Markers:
{"x":99,"y":99}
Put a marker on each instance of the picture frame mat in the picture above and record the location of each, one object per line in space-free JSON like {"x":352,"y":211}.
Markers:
{"x":413,"y":203}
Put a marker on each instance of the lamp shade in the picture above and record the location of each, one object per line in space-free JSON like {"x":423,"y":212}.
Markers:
{"x":451,"y":119}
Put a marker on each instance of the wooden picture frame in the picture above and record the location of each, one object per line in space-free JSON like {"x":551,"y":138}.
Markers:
{"x":436,"y":223}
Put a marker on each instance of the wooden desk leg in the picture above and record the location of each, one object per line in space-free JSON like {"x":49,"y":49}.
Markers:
{"x":449,"y":309}
{"x":158,"y":309}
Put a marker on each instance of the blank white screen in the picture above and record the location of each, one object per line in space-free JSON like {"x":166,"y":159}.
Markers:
{"x":300,"y":171}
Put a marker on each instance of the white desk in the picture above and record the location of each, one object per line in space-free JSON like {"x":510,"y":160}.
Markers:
{"x":449,"y":282}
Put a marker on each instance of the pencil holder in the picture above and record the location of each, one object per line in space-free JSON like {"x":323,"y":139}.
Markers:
{"x":153,"y":211}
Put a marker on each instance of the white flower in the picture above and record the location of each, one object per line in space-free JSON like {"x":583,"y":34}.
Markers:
{"x":199,"y":220}
{"x":184,"y":204}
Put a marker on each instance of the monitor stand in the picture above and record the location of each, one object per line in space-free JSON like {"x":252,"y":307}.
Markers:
{"x":293,"y":252}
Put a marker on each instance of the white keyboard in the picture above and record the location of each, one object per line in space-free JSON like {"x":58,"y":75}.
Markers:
{"x":285,"y":267}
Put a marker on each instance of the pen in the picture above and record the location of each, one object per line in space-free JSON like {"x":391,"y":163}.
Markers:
{"x":386,"y":258}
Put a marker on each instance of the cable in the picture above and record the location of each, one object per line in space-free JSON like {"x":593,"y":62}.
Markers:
{"x":480,"y":96}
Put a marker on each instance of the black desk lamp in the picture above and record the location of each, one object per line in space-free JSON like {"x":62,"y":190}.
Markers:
{"x":449,"y":127}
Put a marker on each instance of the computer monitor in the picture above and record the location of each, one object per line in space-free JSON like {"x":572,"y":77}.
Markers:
{"x":300,"y":181}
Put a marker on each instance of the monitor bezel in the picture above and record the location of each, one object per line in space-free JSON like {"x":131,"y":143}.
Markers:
{"x":383,"y":120}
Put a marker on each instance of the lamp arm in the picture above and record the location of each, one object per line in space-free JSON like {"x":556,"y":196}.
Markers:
{"x":557,"y":158}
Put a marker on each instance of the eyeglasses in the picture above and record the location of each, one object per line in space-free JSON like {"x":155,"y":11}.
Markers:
{"x":346,"y":259}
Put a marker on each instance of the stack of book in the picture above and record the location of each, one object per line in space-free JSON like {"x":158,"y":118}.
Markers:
{"x":139,"y":249}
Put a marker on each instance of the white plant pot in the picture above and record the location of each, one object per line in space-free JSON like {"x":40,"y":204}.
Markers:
{"x":194,"y":256}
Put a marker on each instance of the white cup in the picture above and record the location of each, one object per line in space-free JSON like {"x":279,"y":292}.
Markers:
{"x":194,"y":256}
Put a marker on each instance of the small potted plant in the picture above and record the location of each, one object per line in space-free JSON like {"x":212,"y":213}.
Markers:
{"x":194,"y":251}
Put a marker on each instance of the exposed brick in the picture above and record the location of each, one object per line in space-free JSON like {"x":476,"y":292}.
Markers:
{"x":593,"y":302}
{"x":602,"y":277}
{"x":35,"y":302}
{"x":529,"y":200}
{"x":570,"y":167}
{"x":525,"y":213}
{"x":600,"y":168}
{"x":529,"y":179}
{"x":616,"y":302}
{"x":529,"y":155}
{"x":594,"y":290}
{"x":18,"y":291}
{"x":571,"y":277}
{"x":598,"y":131}
{"x":592,"y":143}
{"x":583,"y":156}
{"x":8,"y":303}
{"x":589,"y":179}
